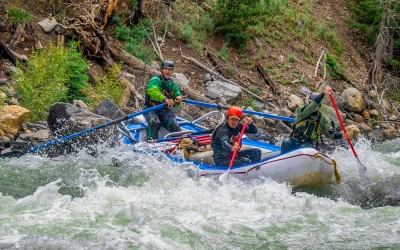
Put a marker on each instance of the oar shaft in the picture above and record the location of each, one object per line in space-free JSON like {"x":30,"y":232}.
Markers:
{"x":239,"y":141}
{"x":342,"y":124}
{"x":249,"y":112}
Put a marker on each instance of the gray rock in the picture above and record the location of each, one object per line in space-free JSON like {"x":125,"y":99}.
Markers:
{"x":108,"y":109}
{"x":218,"y":89}
{"x":48,"y":24}
{"x":181,"y":78}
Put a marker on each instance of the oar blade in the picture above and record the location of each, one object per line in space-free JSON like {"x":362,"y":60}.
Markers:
{"x":362,"y":169}
{"x":225,"y":176}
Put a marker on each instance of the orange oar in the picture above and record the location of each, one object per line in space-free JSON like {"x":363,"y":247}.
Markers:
{"x":225,"y":175}
{"x":361,"y":167}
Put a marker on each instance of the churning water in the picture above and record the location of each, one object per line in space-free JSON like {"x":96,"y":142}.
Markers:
{"x":123,"y":200}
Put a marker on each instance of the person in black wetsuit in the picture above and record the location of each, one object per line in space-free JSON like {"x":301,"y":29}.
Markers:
{"x":225,"y":137}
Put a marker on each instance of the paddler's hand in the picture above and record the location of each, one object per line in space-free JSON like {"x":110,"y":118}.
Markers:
{"x":327,"y":90}
{"x":178,"y":99}
{"x":248,"y":120}
{"x":236,"y":146}
{"x":169,"y":102}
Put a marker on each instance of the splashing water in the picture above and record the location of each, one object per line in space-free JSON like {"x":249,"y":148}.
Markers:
{"x":124,"y":200}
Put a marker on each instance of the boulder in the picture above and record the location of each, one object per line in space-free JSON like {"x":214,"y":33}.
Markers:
{"x":373,"y":113}
{"x":353,"y":100}
{"x":48,"y":24}
{"x":365,"y":114}
{"x":364,"y":128}
{"x":218,"y":89}
{"x":390,"y":133}
{"x":12,"y":117}
{"x":353,"y":131}
{"x":65,"y":118}
{"x":358,"y":118}
{"x":181,"y":78}
{"x":109,"y":109}
{"x":385,"y":104}
{"x":294,"y":102}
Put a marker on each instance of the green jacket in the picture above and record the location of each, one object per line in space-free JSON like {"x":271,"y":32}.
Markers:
{"x":158,"y":90}
{"x":306,"y":113}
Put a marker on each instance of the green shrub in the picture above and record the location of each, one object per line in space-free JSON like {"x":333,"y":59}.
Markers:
{"x":244,"y":14}
{"x":123,"y":33}
{"x":77,"y":74}
{"x":292,"y":58}
{"x":19,"y":16}
{"x":44,"y":81}
{"x":109,"y":86}
{"x":224,"y":53}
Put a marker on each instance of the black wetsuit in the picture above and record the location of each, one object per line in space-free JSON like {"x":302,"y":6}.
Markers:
{"x":222,"y":142}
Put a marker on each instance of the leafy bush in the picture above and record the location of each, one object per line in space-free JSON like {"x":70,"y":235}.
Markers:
{"x":44,"y":81}
{"x":19,"y":16}
{"x":244,"y":14}
{"x":77,"y":74}
{"x":136,"y":38}
{"x":109,"y":86}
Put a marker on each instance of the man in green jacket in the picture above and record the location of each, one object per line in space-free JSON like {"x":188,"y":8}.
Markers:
{"x":162,"y":89}
{"x":310,"y":124}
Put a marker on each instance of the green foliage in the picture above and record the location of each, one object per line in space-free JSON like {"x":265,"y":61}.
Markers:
{"x":260,"y":54}
{"x":116,"y":20}
{"x":44,"y":81}
{"x":395,"y":64}
{"x":134,"y":3}
{"x":77,"y":74}
{"x":367,"y":15}
{"x":107,"y":87}
{"x":247,"y":102}
{"x":292,"y":58}
{"x":255,"y":90}
{"x":329,"y":36}
{"x":192,"y":24}
{"x":224,"y":52}
{"x":19,"y":16}
{"x":246,"y":14}
{"x":333,"y":68}
{"x":123,"y":33}
{"x":136,"y":38}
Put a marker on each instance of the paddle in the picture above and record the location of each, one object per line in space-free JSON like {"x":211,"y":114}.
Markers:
{"x":361,"y":167}
{"x":249,"y":112}
{"x":225,"y":175}
{"x":53,"y":142}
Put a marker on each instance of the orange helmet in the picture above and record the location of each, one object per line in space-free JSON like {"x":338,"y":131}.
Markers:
{"x":235,"y":111}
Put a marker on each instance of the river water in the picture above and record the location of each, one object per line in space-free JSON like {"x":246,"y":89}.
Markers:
{"x":123,"y":200}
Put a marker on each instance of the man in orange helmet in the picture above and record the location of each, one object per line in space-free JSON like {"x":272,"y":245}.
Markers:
{"x":225,"y":137}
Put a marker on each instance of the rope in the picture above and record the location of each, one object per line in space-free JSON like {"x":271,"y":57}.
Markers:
{"x":335,"y":170}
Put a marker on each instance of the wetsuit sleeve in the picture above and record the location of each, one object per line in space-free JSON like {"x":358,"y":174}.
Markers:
{"x":304,"y":112}
{"x":250,"y":128}
{"x":154,"y":90}
{"x":222,"y":137}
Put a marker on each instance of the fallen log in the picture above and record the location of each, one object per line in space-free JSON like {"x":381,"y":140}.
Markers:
{"x":267,"y":79}
{"x":200,"y":65}
{"x":6,"y":53}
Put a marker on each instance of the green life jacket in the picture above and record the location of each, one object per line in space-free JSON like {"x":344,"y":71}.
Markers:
{"x":165,"y":89}
{"x":308,"y":129}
